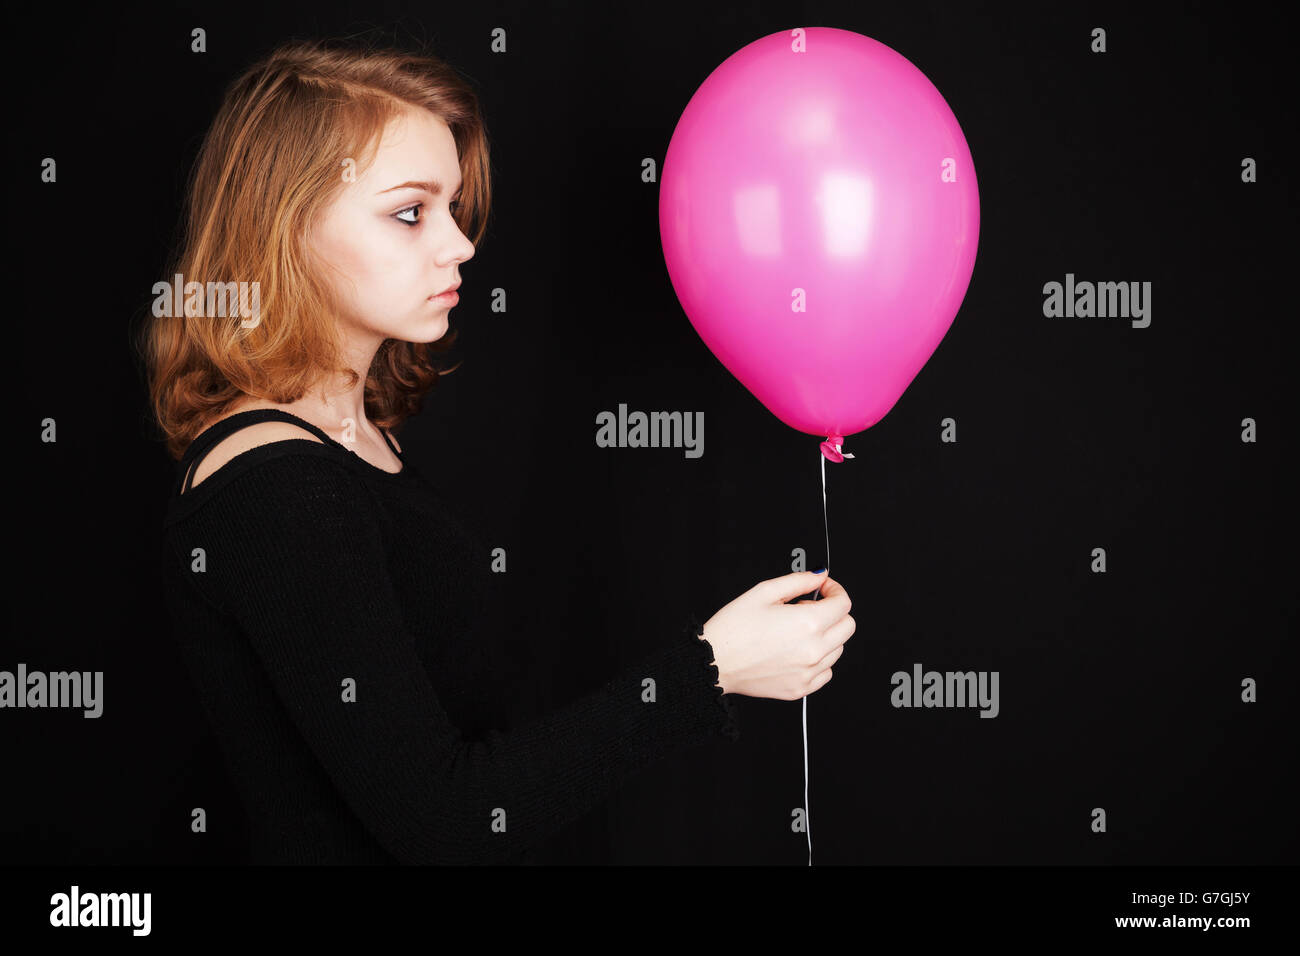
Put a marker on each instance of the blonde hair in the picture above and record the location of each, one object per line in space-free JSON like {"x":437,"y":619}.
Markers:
{"x":269,"y":164}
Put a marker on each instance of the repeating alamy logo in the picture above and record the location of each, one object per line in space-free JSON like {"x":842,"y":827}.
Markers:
{"x":656,"y":430}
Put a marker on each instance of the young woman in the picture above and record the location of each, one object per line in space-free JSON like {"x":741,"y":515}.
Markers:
{"x":318,"y":584}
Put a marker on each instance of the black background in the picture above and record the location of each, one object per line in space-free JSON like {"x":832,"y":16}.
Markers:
{"x":1118,"y":690}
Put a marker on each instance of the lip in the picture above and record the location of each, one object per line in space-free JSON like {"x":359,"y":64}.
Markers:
{"x":447,"y":293}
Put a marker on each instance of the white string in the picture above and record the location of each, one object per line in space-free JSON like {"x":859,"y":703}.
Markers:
{"x":807,"y":811}
{"x":807,"y":818}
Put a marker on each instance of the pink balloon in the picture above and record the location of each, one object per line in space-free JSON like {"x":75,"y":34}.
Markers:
{"x":819,"y":216}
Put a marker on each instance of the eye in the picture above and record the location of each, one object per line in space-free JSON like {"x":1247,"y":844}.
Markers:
{"x":408,"y":222}
{"x":454,"y":206}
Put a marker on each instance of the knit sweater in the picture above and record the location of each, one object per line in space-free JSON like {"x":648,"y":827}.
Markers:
{"x":326,"y":608}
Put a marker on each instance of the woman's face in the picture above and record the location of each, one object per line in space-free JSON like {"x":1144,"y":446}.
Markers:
{"x":390,"y":245}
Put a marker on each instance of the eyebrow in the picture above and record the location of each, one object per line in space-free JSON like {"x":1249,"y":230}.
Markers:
{"x":433,"y":187}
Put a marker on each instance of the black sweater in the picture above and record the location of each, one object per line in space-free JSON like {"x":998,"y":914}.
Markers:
{"x":328,"y":625}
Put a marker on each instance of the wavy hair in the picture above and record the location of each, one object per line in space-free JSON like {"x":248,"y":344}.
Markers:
{"x":269,"y":164}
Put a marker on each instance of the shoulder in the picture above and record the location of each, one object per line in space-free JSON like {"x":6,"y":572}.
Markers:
{"x":308,"y":489}
{"x":246,"y":439}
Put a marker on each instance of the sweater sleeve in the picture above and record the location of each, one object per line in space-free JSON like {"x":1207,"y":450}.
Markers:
{"x":293,"y":553}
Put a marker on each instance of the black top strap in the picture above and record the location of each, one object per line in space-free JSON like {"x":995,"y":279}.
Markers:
{"x":204,"y":441}
{"x":384,"y":432}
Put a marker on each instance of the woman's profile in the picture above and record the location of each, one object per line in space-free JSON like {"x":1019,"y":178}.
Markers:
{"x":315,"y":579}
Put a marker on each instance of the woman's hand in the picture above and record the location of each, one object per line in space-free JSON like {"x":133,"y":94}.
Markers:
{"x":764,"y":647}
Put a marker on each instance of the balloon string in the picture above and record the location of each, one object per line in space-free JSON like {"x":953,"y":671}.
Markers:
{"x":833,"y":449}
{"x":807,"y":810}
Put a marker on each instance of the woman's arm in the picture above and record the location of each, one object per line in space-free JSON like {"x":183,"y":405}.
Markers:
{"x":293,"y":552}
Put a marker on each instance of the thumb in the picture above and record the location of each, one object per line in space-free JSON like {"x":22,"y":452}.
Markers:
{"x":792,"y":585}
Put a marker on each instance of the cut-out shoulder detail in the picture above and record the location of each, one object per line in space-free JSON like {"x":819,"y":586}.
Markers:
{"x":246,"y":438}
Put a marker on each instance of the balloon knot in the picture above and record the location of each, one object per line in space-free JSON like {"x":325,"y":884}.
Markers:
{"x":832,"y":448}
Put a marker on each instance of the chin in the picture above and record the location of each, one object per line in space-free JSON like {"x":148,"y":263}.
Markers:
{"x":430,"y":330}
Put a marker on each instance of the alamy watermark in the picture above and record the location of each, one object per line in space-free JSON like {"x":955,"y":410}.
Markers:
{"x":1102,"y":300}
{"x":102,"y":909}
{"x":73,"y":689}
{"x":947,"y":689}
{"x":656,"y":430}
{"x":213,"y":300}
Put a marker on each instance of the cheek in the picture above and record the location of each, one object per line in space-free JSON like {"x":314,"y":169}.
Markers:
{"x":377,"y":263}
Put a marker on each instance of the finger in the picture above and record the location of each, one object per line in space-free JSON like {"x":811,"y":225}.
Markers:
{"x":789,"y":586}
{"x":824,"y":590}
{"x":833,"y":604}
{"x":838,"y":633}
{"x":829,"y":659}
{"x":819,"y":681}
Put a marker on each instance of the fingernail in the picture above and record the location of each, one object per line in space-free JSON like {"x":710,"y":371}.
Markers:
{"x":819,"y":571}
